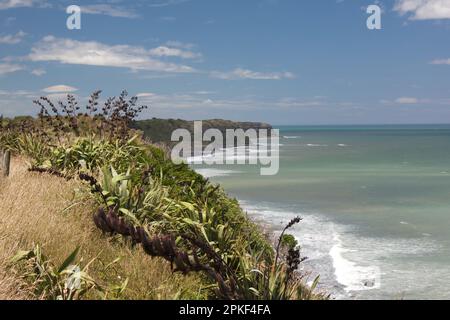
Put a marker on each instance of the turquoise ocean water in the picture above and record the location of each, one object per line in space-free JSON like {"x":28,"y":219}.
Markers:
{"x":375,"y":202}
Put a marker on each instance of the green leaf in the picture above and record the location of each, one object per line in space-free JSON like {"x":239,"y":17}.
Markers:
{"x":220,"y":232}
{"x":189,"y":222}
{"x":110,"y":203}
{"x":119,"y":178}
{"x":315,"y":283}
{"x":109,"y":265}
{"x":114,"y":172}
{"x":69,"y":260}
{"x":203,"y":231}
{"x":188,"y":206}
{"x":132,"y":139}
{"x":21,"y":255}
{"x":129,"y":214}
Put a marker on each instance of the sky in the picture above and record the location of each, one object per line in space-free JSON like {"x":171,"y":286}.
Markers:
{"x":276,"y":61}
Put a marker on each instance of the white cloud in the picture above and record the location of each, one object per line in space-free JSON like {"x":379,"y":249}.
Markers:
{"x":165,"y":3}
{"x":180,"y":101}
{"x":179,"y":44}
{"x":407,"y":100}
{"x":99,"y":9}
{"x":300,"y":103}
{"x":164,"y":51}
{"x":61,"y":88}
{"x":12,"y":38}
{"x":204,"y":92}
{"x":9,"y":21}
{"x":253,"y":75}
{"x":94,"y":53}
{"x":106,"y":9}
{"x":423,"y":102}
{"x":17,"y":93}
{"x":145,"y":95}
{"x":38,"y":72}
{"x":441,"y":61}
{"x":6,"y":68}
{"x":10,"y":4}
{"x":168,"y":19}
{"x":424,"y":9}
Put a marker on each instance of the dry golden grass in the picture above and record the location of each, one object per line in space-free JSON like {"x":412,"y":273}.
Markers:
{"x":46,"y":210}
{"x":11,"y":287}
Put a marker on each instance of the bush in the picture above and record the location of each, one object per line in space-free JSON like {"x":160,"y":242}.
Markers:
{"x":289,"y":242}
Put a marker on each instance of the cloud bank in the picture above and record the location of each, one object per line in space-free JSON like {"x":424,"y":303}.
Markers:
{"x":424,"y":9}
{"x":93,"y":53}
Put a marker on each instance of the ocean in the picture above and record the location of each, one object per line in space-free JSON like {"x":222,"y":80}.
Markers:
{"x":375,"y":203}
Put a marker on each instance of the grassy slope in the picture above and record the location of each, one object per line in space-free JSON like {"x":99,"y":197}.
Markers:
{"x":42,"y":209}
{"x":45,"y":210}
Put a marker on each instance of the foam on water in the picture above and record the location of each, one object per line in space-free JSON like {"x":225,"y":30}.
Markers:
{"x":316,"y":145}
{"x":346,"y":262}
{"x":247,"y":153}
{"x":210,"y":173}
{"x":349,"y":274}
{"x":314,"y":233}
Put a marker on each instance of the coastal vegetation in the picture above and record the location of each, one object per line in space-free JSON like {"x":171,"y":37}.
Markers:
{"x":160,"y":130}
{"x":162,"y":230}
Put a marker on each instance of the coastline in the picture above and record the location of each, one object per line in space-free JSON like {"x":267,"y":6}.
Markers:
{"x":319,"y":239}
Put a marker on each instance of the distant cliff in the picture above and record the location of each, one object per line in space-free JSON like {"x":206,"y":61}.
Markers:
{"x":160,"y":130}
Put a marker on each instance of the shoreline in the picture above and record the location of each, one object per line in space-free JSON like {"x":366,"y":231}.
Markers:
{"x":271,"y":230}
{"x":343,"y":277}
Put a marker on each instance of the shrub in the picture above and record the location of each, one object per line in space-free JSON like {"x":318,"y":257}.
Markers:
{"x":289,"y":242}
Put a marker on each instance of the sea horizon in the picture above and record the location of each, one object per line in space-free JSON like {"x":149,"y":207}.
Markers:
{"x":361,"y":125}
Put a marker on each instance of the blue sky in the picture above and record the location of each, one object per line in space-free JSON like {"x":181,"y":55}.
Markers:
{"x":278,"y":61}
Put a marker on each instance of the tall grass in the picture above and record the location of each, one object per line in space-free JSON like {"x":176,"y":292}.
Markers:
{"x":55,"y":213}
